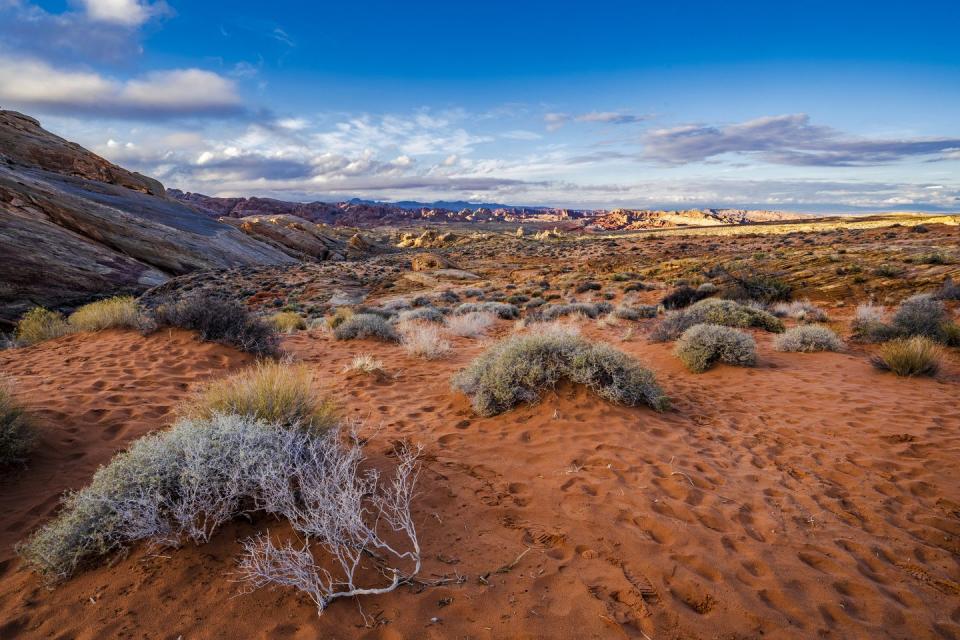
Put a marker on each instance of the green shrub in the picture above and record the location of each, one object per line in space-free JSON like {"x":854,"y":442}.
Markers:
{"x":714,"y":311}
{"x":703,"y":345}
{"x":519,"y":368}
{"x":808,"y":338}
{"x":16,"y":436}
{"x":275,"y":392}
{"x":916,"y":356}
{"x":215,"y":320}
{"x":40,"y":324}
{"x":120,"y":312}
{"x":366,"y":325}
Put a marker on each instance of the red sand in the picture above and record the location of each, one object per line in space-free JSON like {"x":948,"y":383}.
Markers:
{"x":809,"y":497}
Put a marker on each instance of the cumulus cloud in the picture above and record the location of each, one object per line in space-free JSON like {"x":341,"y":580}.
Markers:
{"x":35,"y":84}
{"x":785,"y":139}
{"x":127,"y":13}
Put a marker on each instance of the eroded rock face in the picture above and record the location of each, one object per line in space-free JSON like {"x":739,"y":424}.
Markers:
{"x":74,"y":226}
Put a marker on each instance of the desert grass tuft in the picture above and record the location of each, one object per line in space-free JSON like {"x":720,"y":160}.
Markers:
{"x":915,"y":356}
{"x":471,"y":325}
{"x":275,"y":392}
{"x":120,"y":312}
{"x":288,"y":322}
{"x":16,"y":435}
{"x":366,"y":363}
{"x":518,"y":369}
{"x":423,"y":340}
{"x":40,"y":324}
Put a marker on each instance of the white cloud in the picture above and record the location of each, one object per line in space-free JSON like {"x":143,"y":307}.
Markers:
{"x":128,"y":13}
{"x":36,"y":84}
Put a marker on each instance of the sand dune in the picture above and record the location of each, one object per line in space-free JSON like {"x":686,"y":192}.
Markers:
{"x":809,"y":497}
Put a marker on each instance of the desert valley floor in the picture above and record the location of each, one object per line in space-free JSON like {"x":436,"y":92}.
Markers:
{"x":810,"y":496}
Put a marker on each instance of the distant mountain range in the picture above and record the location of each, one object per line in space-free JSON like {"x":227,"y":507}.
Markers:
{"x":451,"y":205}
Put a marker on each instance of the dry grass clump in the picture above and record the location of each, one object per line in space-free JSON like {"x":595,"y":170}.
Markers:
{"x":423,"y":340}
{"x":215,"y":320}
{"x":288,"y":322}
{"x":184,"y":483}
{"x":519,"y":368}
{"x":502,"y":310}
{"x":714,"y":311}
{"x":703,"y":345}
{"x":366,"y":325}
{"x":471,"y":325}
{"x":340,"y":315}
{"x":366,"y":363}
{"x":808,"y":338}
{"x":275,"y":392}
{"x":916,"y":356}
{"x":586,"y":309}
{"x":868,"y":324}
{"x":16,"y":437}
{"x":120,"y":312}
{"x":799,"y":310}
{"x":40,"y":324}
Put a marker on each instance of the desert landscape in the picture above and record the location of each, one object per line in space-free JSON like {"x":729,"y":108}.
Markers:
{"x":394,"y":321}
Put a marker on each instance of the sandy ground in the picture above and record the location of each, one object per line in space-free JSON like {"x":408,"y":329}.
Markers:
{"x":809,"y":497}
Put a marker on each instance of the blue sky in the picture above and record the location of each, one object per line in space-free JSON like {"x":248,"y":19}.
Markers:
{"x":812,"y":106}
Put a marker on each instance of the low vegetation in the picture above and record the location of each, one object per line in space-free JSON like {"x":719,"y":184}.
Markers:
{"x":425,"y":314}
{"x":684,"y":296}
{"x":915,"y":356}
{"x":919,"y":315}
{"x":520,"y":368}
{"x":120,"y":312}
{"x":799,"y":310}
{"x":635,"y":312}
{"x":470,"y":325}
{"x":275,"y":392}
{"x":16,"y":435}
{"x":714,"y":311}
{"x":586,"y":309}
{"x":40,"y":324}
{"x":502,"y":310}
{"x":288,"y":322}
{"x":221,"y":321}
{"x":366,"y":325}
{"x":704,"y":345}
{"x":808,"y":338}
{"x":423,"y":340}
{"x":366,"y":363}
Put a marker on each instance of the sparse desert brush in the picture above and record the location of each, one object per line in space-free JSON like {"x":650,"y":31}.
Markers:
{"x":888,"y":271}
{"x":762,"y":287}
{"x":288,"y":322}
{"x":916,"y":356}
{"x":800,"y":310}
{"x":714,"y":311}
{"x":223,"y":321}
{"x":425,"y":314}
{"x":518,"y":369}
{"x":340,"y":315}
{"x":703,"y":345}
{"x":587,"y":309}
{"x":868,"y":324}
{"x":589,"y":285}
{"x":500,"y":309}
{"x":120,"y":312}
{"x":921,"y":315}
{"x":275,"y":392}
{"x":366,"y":363}
{"x":950,"y":290}
{"x":185,"y":483}
{"x":396,"y":306}
{"x":40,"y":324}
{"x":808,"y":338}
{"x":708,"y":288}
{"x":16,"y":436}
{"x":683,"y":296}
{"x":635,"y":312}
{"x":366,"y":325}
{"x":423,"y":340}
{"x":471,"y":325}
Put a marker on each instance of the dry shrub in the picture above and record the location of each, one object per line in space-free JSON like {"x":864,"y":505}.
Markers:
{"x":341,"y":315}
{"x":366,"y":363}
{"x":637,"y":312}
{"x":684,"y":296}
{"x":714,"y":311}
{"x":800,"y":310}
{"x":275,"y":392}
{"x":184,"y":483}
{"x":425,"y":314}
{"x":519,"y":368}
{"x":502,"y":310}
{"x":120,"y":312}
{"x":703,"y":345}
{"x":423,"y":340}
{"x":40,"y":324}
{"x":366,"y":325}
{"x":16,"y":436}
{"x":808,"y":338}
{"x":471,"y":325}
{"x":915,"y":356}
{"x":288,"y":322}
{"x":215,"y":320}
